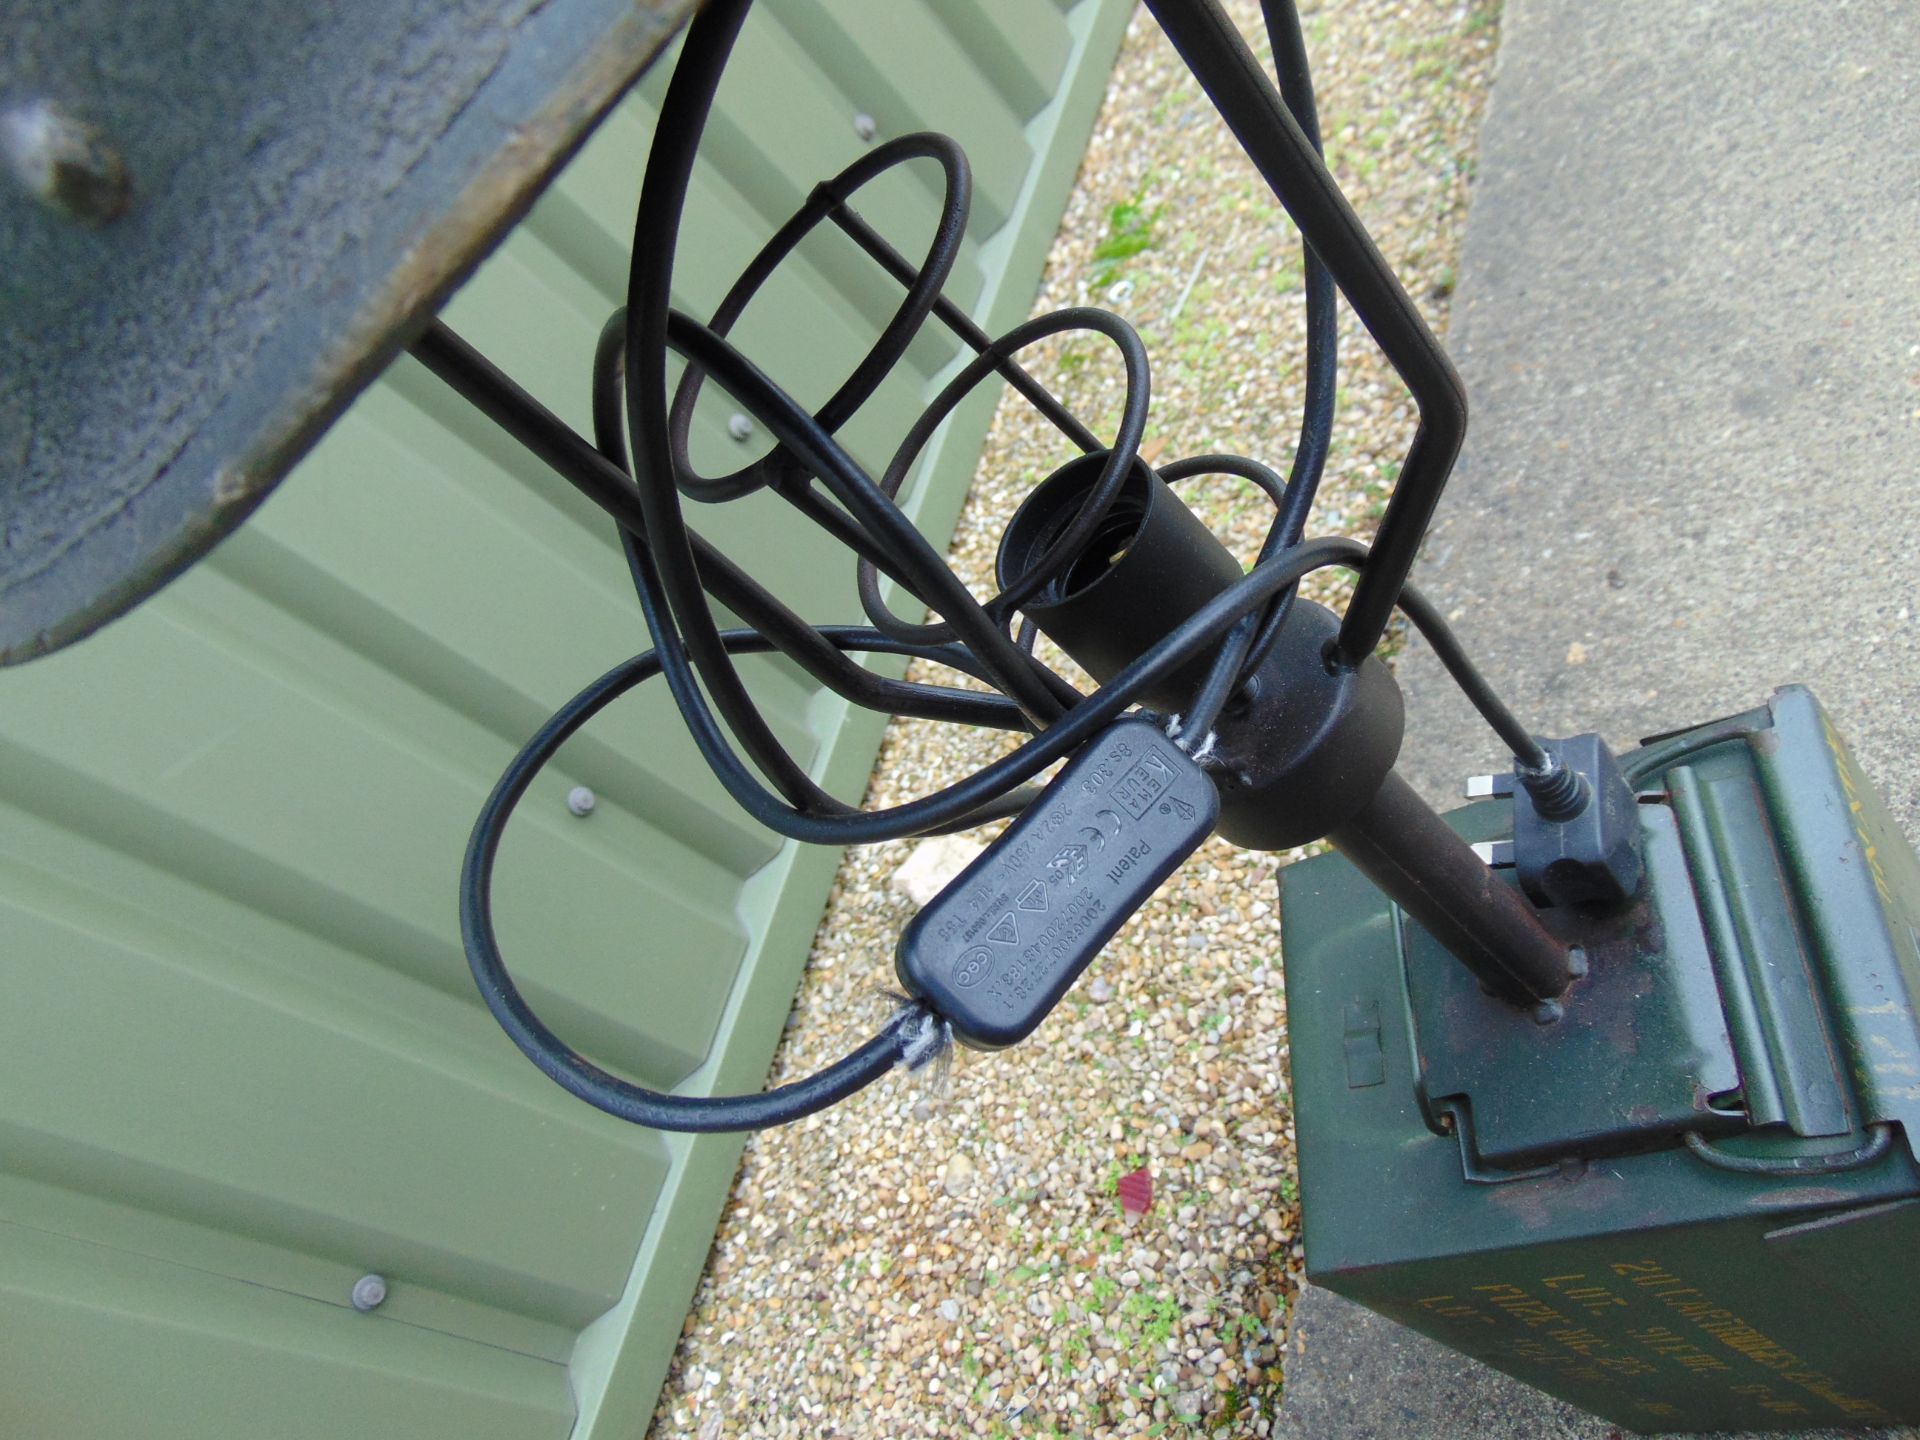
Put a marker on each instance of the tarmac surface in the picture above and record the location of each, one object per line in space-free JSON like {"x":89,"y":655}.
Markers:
{"x":1689,"y":322}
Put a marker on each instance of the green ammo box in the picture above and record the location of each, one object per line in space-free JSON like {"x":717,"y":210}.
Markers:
{"x":1691,"y":1202}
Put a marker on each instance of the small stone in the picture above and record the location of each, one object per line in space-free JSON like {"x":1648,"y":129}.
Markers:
{"x":949,"y":1311}
{"x":933,"y":863}
{"x":1576,"y":654}
{"x":957,"y":1178}
{"x":1100,"y":991}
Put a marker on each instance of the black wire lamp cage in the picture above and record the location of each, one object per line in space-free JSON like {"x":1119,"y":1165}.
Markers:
{"x":1268,"y":707}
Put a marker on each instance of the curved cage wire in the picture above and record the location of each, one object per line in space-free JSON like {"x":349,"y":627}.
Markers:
{"x":638,"y":468}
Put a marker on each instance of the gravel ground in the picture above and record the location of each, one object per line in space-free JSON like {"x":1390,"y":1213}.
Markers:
{"x":945,"y":1253}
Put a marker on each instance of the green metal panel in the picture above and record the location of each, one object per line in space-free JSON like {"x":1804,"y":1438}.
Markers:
{"x":242,"y":1058}
{"x":1014,"y":43}
{"x":97,"y":1341}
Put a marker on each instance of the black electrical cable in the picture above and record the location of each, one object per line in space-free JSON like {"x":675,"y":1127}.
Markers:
{"x":975,"y":795}
{"x":761,"y":611}
{"x":1012,"y":669}
{"x":915,"y":1031}
{"x":683,"y":598}
{"x":605,"y":482}
{"x":911,"y":1037}
{"x":521,"y":416}
{"x":798,"y":490}
{"x":664,"y":571}
{"x":651,"y":327}
{"x":674,"y":570}
{"x":961,"y":324}
{"x":1427,"y":619}
{"x":1238,"y":466}
{"x":1323,"y":327}
{"x":984,"y":786}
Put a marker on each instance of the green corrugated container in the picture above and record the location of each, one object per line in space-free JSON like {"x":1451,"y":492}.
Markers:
{"x":242,"y":1059}
{"x":1691,"y":1202}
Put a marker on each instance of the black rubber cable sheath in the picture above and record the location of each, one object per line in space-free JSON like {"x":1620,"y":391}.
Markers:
{"x":578,"y":462}
{"x":628,"y":1101}
{"x":962,"y":325}
{"x":1323,"y":327}
{"x":1447,"y":648}
{"x":560,"y":1062}
{"x":497,"y":397}
{"x":762,"y":611}
{"x":651,"y":325}
{"x":1014,"y":671}
{"x":684,"y":631}
{"x":969,"y":795}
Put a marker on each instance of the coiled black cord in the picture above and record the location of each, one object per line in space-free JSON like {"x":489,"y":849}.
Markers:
{"x":907,"y":1038}
{"x":674,"y":571}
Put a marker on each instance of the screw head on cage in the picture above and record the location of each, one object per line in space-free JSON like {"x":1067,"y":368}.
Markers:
{"x":865,"y":126}
{"x":581,"y":800}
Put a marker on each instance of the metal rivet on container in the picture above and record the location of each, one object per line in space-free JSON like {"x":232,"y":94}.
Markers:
{"x":740,"y":427}
{"x":65,"y":163}
{"x":369,"y":1292}
{"x":865,"y":126}
{"x":580,"y":800}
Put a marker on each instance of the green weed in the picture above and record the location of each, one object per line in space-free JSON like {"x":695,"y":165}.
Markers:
{"x":1129,"y":233}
